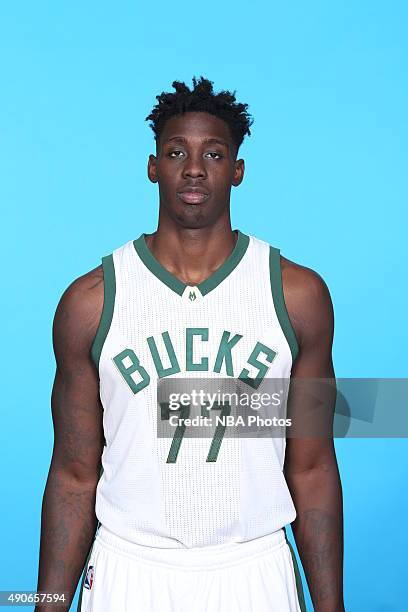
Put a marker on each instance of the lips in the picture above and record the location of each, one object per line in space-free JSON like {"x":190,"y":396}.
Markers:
{"x":193,"y":195}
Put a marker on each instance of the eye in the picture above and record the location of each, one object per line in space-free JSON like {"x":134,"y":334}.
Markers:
{"x":176,"y":151}
{"x":215,"y":153}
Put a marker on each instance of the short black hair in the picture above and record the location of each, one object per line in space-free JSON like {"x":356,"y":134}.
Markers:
{"x":201,"y":98}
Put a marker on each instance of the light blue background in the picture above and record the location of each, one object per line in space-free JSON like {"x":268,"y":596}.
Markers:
{"x":326,"y":182}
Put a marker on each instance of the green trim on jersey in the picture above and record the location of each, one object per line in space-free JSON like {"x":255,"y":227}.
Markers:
{"x":205,"y":286}
{"x":298,"y":578}
{"x":228,"y":266}
{"x":279,"y":301}
{"x":109,"y":291}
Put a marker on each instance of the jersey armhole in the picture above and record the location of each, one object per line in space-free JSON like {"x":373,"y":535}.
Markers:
{"x":279,"y":301}
{"x":109,"y":291}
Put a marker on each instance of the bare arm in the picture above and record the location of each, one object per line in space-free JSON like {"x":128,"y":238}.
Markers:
{"x":310,"y":464}
{"x":68,"y":520}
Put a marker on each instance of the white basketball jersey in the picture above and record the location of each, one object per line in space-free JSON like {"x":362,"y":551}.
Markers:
{"x":181,"y":491}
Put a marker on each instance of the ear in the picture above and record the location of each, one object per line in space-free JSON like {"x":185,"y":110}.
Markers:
{"x":152,"y":168}
{"x":239,"y":171}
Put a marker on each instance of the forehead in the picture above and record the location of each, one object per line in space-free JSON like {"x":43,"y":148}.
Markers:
{"x":196,"y":126}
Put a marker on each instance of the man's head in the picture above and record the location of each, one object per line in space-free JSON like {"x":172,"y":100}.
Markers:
{"x":198,"y":134}
{"x":201,"y":99}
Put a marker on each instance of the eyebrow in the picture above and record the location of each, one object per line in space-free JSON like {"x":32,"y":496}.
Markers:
{"x":204,"y":141}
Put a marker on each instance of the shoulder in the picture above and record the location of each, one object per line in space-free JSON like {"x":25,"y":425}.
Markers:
{"x":78,"y":313}
{"x":308,"y":301}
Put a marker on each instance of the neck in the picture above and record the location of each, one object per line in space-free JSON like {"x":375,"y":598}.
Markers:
{"x":192,"y":255}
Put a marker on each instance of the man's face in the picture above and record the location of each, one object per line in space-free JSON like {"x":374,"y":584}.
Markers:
{"x":195,"y":167}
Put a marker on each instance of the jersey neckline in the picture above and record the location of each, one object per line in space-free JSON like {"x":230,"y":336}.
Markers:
{"x":207,"y":285}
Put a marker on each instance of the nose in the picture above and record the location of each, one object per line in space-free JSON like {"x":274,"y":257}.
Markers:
{"x":194,"y":166}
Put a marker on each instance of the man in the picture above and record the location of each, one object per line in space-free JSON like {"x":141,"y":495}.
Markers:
{"x":184,"y":525}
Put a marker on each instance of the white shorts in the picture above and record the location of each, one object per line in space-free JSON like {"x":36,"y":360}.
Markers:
{"x":258,"y":575}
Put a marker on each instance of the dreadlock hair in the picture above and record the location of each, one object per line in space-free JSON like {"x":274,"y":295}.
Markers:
{"x":201,"y":98}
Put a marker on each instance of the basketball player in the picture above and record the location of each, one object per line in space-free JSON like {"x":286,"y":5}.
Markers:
{"x":157,"y":525}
